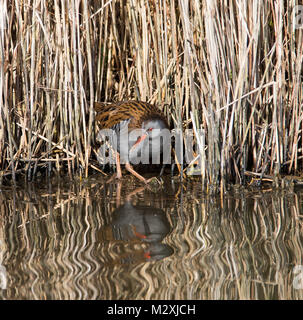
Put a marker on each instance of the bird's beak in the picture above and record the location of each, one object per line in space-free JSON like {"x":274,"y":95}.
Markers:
{"x":139,"y":140}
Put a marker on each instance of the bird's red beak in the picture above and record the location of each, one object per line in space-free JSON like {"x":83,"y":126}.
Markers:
{"x":140,"y":139}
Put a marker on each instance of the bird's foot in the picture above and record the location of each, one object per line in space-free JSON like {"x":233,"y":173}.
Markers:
{"x":114,"y":177}
{"x":154,"y":181}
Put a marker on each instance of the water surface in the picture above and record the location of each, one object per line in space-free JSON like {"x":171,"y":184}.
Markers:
{"x":98,"y":240}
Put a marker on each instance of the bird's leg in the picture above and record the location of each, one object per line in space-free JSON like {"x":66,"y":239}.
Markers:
{"x":129,"y":168}
{"x":133,"y":193}
{"x":119,"y":174}
{"x":118,"y":194}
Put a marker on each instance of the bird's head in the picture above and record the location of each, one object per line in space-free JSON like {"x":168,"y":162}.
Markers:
{"x":151,"y":130}
{"x":153,"y":127}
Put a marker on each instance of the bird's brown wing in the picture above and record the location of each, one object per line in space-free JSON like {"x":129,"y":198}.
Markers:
{"x":109,"y":115}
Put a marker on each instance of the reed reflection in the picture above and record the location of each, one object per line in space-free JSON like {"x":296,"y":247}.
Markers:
{"x":94,"y":240}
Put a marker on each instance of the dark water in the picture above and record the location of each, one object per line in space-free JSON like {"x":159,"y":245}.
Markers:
{"x":92,"y":240}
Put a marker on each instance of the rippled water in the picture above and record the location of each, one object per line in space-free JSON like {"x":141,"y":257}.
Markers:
{"x":93,"y":240}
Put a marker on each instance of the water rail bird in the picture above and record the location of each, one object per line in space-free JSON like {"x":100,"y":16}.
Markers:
{"x":139,"y":131}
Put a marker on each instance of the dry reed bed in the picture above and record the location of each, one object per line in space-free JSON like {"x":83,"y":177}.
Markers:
{"x":230,"y":68}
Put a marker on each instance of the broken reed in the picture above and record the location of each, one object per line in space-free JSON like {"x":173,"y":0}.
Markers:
{"x":232,"y":69}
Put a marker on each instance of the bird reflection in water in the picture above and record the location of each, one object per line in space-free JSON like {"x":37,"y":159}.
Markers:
{"x":139,"y":229}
